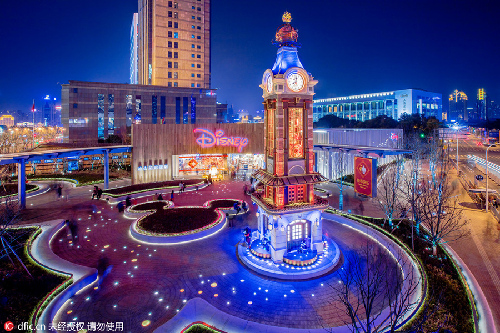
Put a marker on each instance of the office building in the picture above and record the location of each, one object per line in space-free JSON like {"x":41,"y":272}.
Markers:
{"x":221,"y":113}
{"x":7,"y":120}
{"x":392,"y":104}
{"x":94,"y":112}
{"x":458,"y":107}
{"x":134,"y":57}
{"x":174,"y":43}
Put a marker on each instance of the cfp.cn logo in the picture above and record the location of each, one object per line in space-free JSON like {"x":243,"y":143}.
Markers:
{"x":8,"y":326}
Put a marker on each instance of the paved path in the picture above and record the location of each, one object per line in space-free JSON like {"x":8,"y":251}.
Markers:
{"x":153,"y":282}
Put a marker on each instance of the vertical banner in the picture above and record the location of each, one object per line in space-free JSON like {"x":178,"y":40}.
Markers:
{"x":365,"y":176}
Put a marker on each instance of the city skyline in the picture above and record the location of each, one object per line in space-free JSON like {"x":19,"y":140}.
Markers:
{"x":351,"y":48}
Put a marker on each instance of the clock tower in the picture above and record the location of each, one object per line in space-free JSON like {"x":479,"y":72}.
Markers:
{"x":289,"y":213}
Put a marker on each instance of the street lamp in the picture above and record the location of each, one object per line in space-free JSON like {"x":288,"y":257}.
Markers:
{"x":487,"y":194}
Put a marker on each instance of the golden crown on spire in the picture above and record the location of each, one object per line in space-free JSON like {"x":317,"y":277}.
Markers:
{"x":287,"y":17}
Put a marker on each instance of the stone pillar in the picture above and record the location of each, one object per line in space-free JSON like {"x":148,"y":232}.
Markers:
{"x":21,"y":183}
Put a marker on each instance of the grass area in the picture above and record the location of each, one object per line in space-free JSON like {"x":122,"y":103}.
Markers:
{"x":448,"y":303}
{"x":138,"y":188}
{"x":11,"y":189}
{"x":179,"y":220}
{"x":20,"y":293}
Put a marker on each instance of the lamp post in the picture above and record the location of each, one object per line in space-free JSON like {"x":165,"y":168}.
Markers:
{"x":487,"y":194}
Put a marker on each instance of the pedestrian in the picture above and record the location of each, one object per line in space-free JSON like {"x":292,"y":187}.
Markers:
{"x":94,"y":192}
{"x":244,"y":206}
{"x":160,"y":197}
{"x":120,"y":207}
{"x":73,"y":228}
{"x":59,"y":191}
{"x":99,"y":193}
{"x":103,"y":269}
{"x":172,"y":196}
{"x":128,"y":201}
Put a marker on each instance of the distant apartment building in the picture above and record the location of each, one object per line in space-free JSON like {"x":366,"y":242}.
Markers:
{"x":174,"y":43}
{"x":457,"y":111}
{"x":134,"y":56}
{"x":392,"y":104}
{"x":94,"y":112}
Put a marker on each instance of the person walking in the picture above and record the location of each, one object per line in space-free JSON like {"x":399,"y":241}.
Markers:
{"x":59,"y":192}
{"x":172,"y":196}
{"x":160,"y":197}
{"x":99,"y":193}
{"x":94,"y":193}
{"x":103,"y":269}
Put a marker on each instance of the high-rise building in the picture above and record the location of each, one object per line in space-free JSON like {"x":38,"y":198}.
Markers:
{"x":174,"y":43}
{"x":458,"y":107}
{"x":481,"y":105}
{"x":134,"y":57}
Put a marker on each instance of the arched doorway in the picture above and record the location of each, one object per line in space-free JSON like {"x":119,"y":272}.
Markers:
{"x":297,"y":231}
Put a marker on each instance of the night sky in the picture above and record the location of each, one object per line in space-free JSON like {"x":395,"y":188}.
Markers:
{"x":350,"y":47}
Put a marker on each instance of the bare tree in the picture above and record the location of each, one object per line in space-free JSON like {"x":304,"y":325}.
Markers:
{"x":439,"y":211}
{"x":372,"y":283}
{"x":389,"y":190}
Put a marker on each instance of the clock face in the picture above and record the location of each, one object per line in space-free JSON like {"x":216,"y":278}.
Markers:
{"x":269,"y":83}
{"x":295,"y":82}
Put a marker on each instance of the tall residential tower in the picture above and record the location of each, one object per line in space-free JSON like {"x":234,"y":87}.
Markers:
{"x":174,"y":43}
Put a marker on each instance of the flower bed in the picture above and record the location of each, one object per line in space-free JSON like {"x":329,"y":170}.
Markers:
{"x":11,"y":189}
{"x":137,"y":188}
{"x":449,"y":306}
{"x":200,"y":327}
{"x":80,"y":179}
{"x":22,"y":297}
{"x":167,"y":221}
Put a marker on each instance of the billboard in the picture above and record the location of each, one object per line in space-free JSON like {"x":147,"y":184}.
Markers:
{"x":365,"y":176}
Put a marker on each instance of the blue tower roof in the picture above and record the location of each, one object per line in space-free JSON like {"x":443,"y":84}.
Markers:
{"x":287,"y":57}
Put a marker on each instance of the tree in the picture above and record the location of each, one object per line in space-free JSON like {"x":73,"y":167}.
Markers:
{"x":389,"y":190}
{"x":373,"y":282}
{"x":438,"y":209}
{"x":332,"y":121}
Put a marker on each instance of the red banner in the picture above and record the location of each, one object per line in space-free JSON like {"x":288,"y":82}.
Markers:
{"x":365,"y":176}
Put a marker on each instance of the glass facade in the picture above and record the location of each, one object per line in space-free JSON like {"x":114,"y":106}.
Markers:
{"x":162,"y":109}
{"x":193,"y":110}
{"x":111,"y":114}
{"x":100,"y":116}
{"x":177,"y":110}
{"x":185,"y":113}
{"x":128,"y":111}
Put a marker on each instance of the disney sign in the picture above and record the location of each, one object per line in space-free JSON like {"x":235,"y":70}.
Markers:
{"x":209,"y":139}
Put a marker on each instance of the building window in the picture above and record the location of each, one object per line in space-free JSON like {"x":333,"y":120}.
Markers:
{"x":176,"y":55}
{"x":270,"y":131}
{"x":176,"y":45}
{"x":176,"y":35}
{"x":138,"y":109}
{"x":176,"y":75}
{"x":75,"y":105}
{"x":198,"y":27}
{"x":199,"y":18}
{"x":198,"y":56}
{"x":198,"y":75}
{"x":192,"y":7}
{"x":176,"y":65}
{"x":170,"y":84}
{"x":192,"y":74}
{"x":176,"y":25}
{"x":192,"y":46}
{"x":198,"y":9}
{"x":176,"y":5}
{"x":177,"y":110}
{"x":192,"y":85}
{"x":100,"y":116}
{"x":295,"y":135}
{"x":169,"y":75}
{"x":192,"y":17}
{"x":169,"y":44}
{"x":162,"y":109}
{"x":169,"y":34}
{"x":154,"y":109}
{"x":176,"y":15}
{"x":175,"y":84}
{"x":169,"y":54}
{"x":199,"y":37}
{"x":75,"y":90}
{"x":198,"y":47}
{"x":185,"y":112}
{"x":192,"y":36}
{"x":111,"y":114}
{"x":170,"y":3}
{"x":198,"y":85}
{"x":169,"y":13}
{"x":198,"y":66}
{"x":193,"y":110}
{"x":192,"y":65}
{"x":192,"y":55}
{"x":170,"y":24}
{"x":128,"y":105}
{"x":169,"y":64}
{"x":192,"y":27}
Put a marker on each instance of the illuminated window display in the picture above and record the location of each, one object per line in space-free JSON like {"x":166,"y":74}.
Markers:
{"x":296,"y":133}
{"x":202,"y":164}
